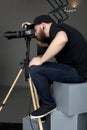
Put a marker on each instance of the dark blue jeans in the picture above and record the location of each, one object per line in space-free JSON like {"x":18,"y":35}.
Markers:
{"x":48,"y":72}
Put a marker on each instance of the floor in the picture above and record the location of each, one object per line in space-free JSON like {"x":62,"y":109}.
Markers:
{"x":10,"y":126}
{"x":17,"y":105}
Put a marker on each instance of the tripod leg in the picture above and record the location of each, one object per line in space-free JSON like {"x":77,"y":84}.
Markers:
{"x":38,"y":105}
{"x":32,"y":93}
{"x":35,"y":100}
{"x":36,"y":95}
{"x":9,"y":92}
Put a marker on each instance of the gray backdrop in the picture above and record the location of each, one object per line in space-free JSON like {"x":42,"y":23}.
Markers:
{"x":12,"y":14}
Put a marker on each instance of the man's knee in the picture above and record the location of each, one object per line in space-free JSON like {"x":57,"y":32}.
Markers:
{"x":33,"y":69}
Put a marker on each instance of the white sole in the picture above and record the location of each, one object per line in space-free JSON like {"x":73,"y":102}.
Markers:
{"x":35,"y":117}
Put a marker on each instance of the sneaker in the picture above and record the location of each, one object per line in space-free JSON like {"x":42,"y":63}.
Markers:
{"x":43,"y":111}
{"x":43,"y":119}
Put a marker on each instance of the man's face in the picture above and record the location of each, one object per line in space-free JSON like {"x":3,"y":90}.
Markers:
{"x":39,"y":33}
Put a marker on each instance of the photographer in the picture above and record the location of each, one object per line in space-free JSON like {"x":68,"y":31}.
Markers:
{"x":69,"y":48}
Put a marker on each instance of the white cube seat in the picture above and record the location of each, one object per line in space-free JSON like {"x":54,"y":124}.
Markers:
{"x":71,"y":98}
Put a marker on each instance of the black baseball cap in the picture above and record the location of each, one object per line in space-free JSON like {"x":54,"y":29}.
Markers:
{"x":43,"y":18}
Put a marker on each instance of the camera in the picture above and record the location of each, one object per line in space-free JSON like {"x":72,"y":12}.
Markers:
{"x":28,"y":31}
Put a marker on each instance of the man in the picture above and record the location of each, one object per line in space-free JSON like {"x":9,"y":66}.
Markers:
{"x":69,"y":48}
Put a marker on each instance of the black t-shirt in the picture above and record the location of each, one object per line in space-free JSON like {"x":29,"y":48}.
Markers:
{"x":75,"y":51}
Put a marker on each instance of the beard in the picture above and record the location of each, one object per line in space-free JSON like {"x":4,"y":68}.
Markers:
{"x":42,"y":37}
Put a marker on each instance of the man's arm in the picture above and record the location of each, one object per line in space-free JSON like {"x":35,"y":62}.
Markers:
{"x":54,"y":48}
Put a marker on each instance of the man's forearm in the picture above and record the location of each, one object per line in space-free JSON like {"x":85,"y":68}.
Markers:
{"x":55,"y":47}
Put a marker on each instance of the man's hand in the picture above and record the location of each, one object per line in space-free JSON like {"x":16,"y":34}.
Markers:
{"x":35,"y":61}
{"x":25,"y":23}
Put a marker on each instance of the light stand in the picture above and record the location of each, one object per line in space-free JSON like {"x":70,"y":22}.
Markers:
{"x":33,"y":91}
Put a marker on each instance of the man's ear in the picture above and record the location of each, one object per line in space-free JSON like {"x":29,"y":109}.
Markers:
{"x":43,"y":25}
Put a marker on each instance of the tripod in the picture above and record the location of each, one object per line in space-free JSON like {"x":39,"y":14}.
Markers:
{"x":33,"y":91}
